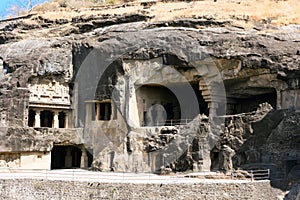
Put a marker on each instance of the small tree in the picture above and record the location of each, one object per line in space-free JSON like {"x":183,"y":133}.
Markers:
{"x":14,"y":10}
{"x":21,"y":7}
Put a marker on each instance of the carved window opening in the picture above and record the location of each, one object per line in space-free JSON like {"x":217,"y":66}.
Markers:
{"x":47,"y":118}
{"x":62,"y":119}
{"x":103,"y":111}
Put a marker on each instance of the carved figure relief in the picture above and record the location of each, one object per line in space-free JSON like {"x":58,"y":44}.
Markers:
{"x":49,"y":91}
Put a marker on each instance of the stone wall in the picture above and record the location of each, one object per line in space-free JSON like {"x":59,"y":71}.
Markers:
{"x":25,"y":160}
{"x":46,"y":189}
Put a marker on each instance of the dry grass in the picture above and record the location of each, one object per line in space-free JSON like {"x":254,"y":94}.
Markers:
{"x":281,"y":13}
{"x":276,"y":12}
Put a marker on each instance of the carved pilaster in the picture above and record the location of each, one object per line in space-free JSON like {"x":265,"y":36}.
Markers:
{"x":37,"y":118}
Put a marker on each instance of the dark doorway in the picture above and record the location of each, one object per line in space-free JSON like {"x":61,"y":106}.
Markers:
{"x":58,"y":155}
{"x":31,"y":118}
{"x":63,"y":157}
{"x":252,"y":103}
{"x":248,"y":100}
{"x":46,"y":118}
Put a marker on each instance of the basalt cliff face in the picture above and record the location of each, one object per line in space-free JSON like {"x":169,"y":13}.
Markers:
{"x":123,"y":93}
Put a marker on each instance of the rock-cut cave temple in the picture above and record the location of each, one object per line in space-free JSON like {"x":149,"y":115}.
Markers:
{"x":67,"y":104}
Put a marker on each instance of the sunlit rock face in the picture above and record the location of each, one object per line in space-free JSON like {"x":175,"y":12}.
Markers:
{"x":143,"y":97}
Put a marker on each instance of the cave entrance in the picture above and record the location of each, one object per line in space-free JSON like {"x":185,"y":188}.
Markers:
{"x":159,"y":106}
{"x":247,"y":102}
{"x":64,"y":157}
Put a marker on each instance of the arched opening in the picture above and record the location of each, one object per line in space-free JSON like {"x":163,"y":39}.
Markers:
{"x":157,"y":105}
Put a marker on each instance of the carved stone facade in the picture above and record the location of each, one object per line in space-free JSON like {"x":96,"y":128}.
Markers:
{"x":49,"y":92}
{"x":49,"y":103}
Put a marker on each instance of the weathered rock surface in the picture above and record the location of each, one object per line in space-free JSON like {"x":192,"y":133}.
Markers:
{"x":294,"y":191}
{"x":107,"y":57}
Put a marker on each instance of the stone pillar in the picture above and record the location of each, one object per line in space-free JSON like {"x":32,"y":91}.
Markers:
{"x":66,"y":125}
{"x":278,"y":100}
{"x":37,"y":118}
{"x":84,"y":158}
{"x":97,"y":111}
{"x":88,"y":112}
{"x":55,"y":120}
{"x":113,"y":111}
{"x":68,"y":158}
{"x":212,"y":109}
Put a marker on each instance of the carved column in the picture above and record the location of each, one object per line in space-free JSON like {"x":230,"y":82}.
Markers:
{"x":55,"y":120}
{"x":68,"y":158}
{"x":66,"y":120}
{"x":278,"y":99}
{"x":88,"y":112}
{"x":84,"y":159}
{"x":37,"y":118}
{"x":97,"y":111}
{"x":212,"y":109}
